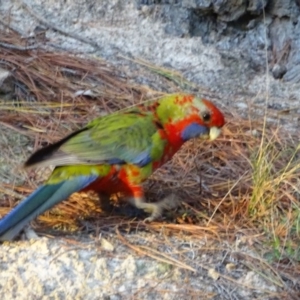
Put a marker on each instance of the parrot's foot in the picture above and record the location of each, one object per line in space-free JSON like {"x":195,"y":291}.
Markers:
{"x":156,"y":209}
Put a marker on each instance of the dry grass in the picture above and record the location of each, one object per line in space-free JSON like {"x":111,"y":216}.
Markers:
{"x":246,"y":184}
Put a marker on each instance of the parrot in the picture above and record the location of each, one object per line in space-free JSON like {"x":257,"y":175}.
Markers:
{"x":116,"y":153}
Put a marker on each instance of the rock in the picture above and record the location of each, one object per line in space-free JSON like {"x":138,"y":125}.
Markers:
{"x":6,"y":82}
{"x":230,"y":267}
{"x":230,"y":10}
{"x":293,"y":74}
{"x":280,"y":36}
{"x":197,"y":4}
{"x":283,"y":8}
{"x":278,"y":71}
{"x":236,"y":25}
{"x":256,"y":6}
{"x":30,"y":233}
{"x":212,"y":273}
{"x":106,"y":245}
{"x":181,"y":27}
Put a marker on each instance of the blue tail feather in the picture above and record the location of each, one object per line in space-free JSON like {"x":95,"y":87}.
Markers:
{"x":38,"y":202}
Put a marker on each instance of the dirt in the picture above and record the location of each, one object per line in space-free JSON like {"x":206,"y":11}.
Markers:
{"x":81,"y":267}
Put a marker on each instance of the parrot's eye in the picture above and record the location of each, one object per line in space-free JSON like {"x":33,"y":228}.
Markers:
{"x":206,"y":116}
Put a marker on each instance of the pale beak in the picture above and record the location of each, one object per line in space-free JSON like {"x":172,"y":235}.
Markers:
{"x":214,"y":133}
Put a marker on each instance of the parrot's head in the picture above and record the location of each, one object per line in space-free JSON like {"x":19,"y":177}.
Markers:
{"x":188,"y":116}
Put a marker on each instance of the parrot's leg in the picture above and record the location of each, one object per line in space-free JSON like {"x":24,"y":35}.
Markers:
{"x":105,"y":204}
{"x":155,"y":209}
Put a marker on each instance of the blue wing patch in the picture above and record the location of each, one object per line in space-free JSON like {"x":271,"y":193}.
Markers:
{"x":140,"y":160}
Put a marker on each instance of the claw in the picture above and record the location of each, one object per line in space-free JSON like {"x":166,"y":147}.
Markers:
{"x":148,"y":220}
{"x":156,"y":209}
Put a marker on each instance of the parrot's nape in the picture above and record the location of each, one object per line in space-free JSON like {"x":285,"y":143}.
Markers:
{"x":115,"y":154}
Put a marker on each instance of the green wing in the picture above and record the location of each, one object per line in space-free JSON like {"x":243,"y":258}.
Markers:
{"x":114,"y":139}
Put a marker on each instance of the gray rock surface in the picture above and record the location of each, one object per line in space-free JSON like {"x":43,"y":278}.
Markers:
{"x":231,"y":25}
{"x":190,"y":36}
{"x":66,"y":269}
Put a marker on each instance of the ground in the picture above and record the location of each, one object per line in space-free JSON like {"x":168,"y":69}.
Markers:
{"x":209,"y":250}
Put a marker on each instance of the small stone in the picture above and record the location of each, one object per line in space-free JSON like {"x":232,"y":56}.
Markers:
{"x":212,"y":273}
{"x":278,"y":71}
{"x":6,"y":82}
{"x":230,"y":267}
{"x":106,"y":245}
{"x":30,"y":233}
{"x":254,"y":133}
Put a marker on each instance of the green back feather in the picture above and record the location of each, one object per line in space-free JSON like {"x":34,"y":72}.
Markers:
{"x":112,"y":138}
